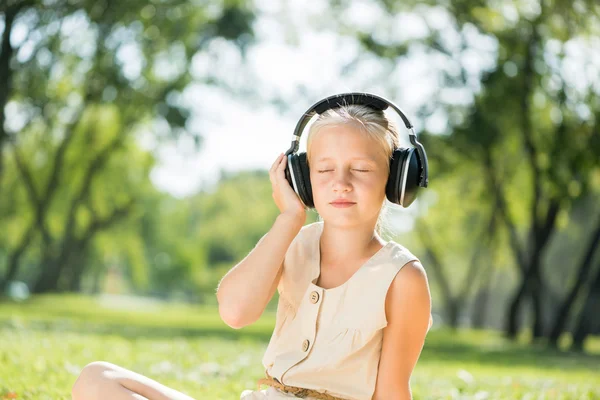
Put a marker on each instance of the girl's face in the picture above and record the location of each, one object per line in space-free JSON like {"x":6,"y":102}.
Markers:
{"x":347,"y":165}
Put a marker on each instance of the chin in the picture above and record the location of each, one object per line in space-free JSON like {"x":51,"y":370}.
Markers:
{"x":344,"y":217}
{"x":341,"y":219}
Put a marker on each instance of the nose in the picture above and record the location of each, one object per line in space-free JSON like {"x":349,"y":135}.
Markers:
{"x":341,"y":182}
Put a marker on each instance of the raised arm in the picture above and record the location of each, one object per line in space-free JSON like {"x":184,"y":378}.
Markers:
{"x":247,"y":288}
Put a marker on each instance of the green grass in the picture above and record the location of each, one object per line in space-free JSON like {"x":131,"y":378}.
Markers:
{"x":45,"y":342}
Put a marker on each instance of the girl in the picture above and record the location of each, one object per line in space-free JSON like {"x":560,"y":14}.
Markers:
{"x":353,"y":310}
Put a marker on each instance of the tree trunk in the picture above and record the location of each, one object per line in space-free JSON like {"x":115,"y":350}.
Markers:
{"x":453,"y":311}
{"x":537,"y":296}
{"x":97,"y":280}
{"x":588,"y":318}
{"x":480,"y":304}
{"x":52,"y":268}
{"x":540,"y":230}
{"x":6,"y":54}
{"x":453,"y":304}
{"x":50,"y":278}
{"x":512,"y":325}
{"x":77,"y":269}
{"x":531,"y":286}
{"x":483,"y":294}
{"x":47,"y":282}
{"x":41,"y":204}
{"x":562,"y":316}
{"x":532,"y":282}
{"x":15,"y":257}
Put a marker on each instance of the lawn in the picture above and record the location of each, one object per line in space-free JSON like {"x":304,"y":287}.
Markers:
{"x":45,"y":342}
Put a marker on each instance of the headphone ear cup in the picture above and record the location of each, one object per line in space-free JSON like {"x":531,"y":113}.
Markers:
{"x":403,"y":182}
{"x":392,"y":188}
{"x":303,"y":168}
{"x":288,"y":174}
{"x":411,"y":168}
{"x":298,"y":176}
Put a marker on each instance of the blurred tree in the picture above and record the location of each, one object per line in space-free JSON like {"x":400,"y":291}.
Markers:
{"x":588,"y":322}
{"x":235,"y":215}
{"x":532,"y":124}
{"x":78,"y":82}
{"x":480,"y":264}
{"x":556,"y":126}
{"x":233,"y":218}
{"x":564,"y":311}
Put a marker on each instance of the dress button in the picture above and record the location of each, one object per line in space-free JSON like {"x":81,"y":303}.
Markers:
{"x":305,"y":345}
{"x":314,"y":297}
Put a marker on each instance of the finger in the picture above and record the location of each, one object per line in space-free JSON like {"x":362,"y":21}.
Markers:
{"x":280,"y":157}
{"x":280,"y":171}
{"x":273,"y":170}
{"x":283,"y":163}
{"x":275,"y":163}
{"x":282,"y":179}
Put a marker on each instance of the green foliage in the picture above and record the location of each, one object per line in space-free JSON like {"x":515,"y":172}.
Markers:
{"x":244,"y":198}
{"x":184,"y":247}
{"x":524,"y":139}
{"x":79,"y":87}
{"x":100,"y":73}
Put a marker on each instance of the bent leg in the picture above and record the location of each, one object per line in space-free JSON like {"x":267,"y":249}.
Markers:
{"x":102,"y":380}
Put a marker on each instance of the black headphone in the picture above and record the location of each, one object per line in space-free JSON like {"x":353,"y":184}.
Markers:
{"x":408,"y":168}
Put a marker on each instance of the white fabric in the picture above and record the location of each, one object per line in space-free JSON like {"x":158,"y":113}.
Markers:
{"x":344,"y":327}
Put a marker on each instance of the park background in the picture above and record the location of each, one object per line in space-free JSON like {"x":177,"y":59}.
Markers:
{"x":135,"y":139}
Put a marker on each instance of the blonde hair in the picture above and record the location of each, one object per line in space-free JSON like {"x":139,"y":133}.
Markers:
{"x":369,"y":121}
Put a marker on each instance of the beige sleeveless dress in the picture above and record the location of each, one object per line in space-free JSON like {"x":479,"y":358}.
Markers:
{"x":329,"y":339}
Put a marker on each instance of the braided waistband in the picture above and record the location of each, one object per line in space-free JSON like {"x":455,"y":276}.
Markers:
{"x":296,"y":391}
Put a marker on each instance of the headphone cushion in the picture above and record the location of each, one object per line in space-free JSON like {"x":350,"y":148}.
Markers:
{"x":393,"y":189}
{"x":405,"y":164}
{"x":299,"y":168}
{"x":307,"y":196}
{"x":287,"y":172}
{"x":412,"y":177}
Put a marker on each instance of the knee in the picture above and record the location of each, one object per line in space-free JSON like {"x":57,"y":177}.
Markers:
{"x":89,"y":383}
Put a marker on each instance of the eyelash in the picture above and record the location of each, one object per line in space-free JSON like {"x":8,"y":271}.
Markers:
{"x":359,"y":170}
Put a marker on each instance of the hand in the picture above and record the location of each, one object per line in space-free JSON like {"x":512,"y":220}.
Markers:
{"x":285,"y":198}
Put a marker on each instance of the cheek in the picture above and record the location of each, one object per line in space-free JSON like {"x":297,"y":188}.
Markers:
{"x":319,"y":185}
{"x":375,"y":188}
{"x":376,"y":185}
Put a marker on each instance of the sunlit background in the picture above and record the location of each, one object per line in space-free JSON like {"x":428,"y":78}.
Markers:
{"x":135,"y":139}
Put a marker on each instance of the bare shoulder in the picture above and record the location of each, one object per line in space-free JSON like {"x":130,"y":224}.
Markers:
{"x":411,"y":277}
{"x":413,"y":270}
{"x":409,"y":291}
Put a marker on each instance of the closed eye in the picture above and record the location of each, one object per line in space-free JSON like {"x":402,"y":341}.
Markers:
{"x":358,"y":170}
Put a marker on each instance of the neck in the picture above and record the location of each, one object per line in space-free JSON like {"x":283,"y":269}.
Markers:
{"x":338,"y":244}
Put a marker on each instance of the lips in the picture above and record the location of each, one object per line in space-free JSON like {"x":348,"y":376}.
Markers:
{"x":342,"y":203}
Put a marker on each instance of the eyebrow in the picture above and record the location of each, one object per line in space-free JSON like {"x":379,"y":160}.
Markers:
{"x":352,"y":159}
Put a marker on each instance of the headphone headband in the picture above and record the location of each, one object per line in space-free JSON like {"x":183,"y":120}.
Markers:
{"x":363,"y":99}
